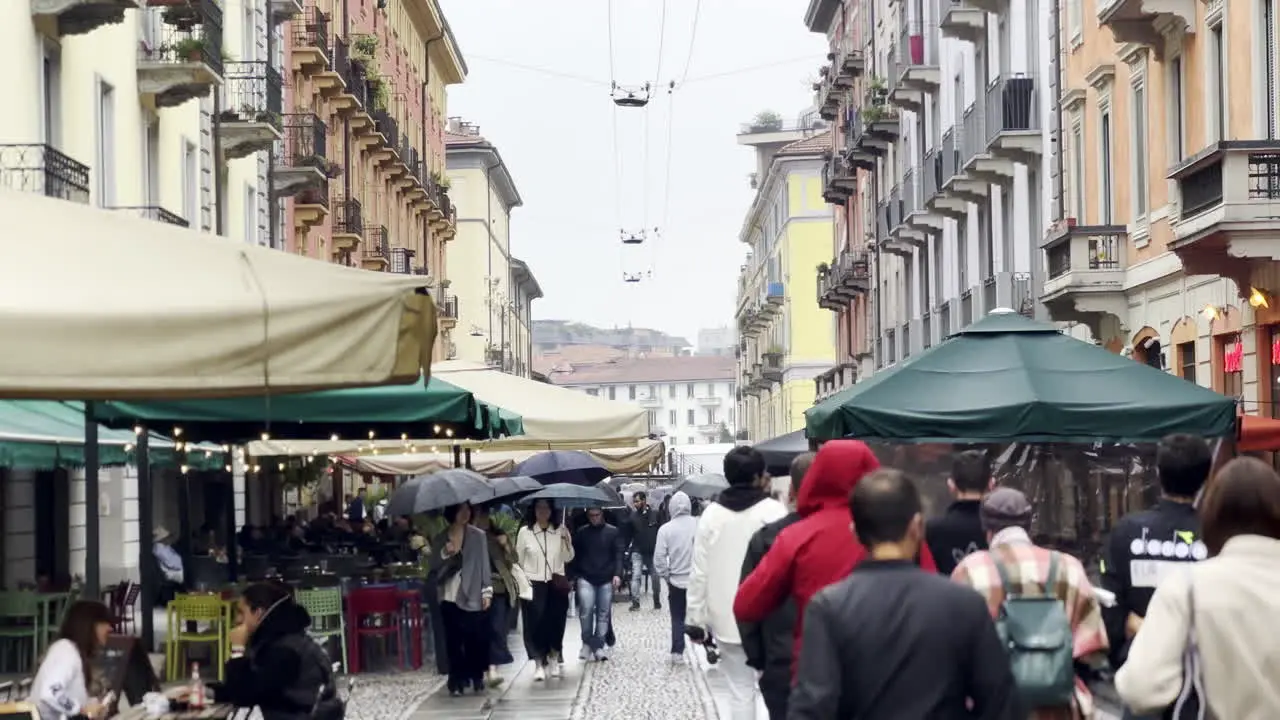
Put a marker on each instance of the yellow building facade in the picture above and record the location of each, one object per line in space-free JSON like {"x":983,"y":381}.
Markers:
{"x":785,"y":338}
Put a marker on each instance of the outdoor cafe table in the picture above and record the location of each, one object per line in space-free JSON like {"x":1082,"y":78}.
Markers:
{"x":213,"y":712}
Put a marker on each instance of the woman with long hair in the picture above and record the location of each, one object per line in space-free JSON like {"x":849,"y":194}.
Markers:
{"x":461,"y":558}
{"x":543,"y":548}
{"x":282,"y":671}
{"x":506,"y":592}
{"x":61,"y":686}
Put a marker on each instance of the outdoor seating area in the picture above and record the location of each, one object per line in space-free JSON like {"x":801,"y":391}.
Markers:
{"x":29,"y":621}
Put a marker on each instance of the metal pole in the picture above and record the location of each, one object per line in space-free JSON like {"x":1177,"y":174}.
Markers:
{"x":147,"y":565}
{"x":233,"y":550}
{"x":92,"y":520}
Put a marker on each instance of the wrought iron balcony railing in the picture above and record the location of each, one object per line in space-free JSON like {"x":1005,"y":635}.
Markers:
{"x":313,"y":32}
{"x":253,"y":92}
{"x":155,"y":212}
{"x":190,"y":32}
{"x":348,"y":216}
{"x":446,"y":304}
{"x":314,"y":195}
{"x":401,"y":260}
{"x":304,"y":142}
{"x":42,"y":169}
{"x":388,"y":126}
{"x":377,"y":245}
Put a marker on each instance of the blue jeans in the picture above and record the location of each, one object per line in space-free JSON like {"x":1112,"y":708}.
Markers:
{"x":594,"y":605}
{"x":640,"y":563}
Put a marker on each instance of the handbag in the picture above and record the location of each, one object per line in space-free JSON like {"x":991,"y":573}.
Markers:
{"x":1190,"y":704}
{"x":524,"y":588}
{"x":559,"y":582}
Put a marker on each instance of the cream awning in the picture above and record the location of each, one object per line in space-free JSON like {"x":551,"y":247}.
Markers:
{"x":619,"y":460}
{"x":96,"y":304}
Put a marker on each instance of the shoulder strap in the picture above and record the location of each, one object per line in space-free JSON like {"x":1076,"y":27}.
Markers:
{"x":998,"y":561}
{"x":1051,"y":580}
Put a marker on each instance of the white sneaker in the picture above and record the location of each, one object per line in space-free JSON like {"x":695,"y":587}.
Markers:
{"x":555,"y":669}
{"x":584,"y":654}
{"x":677,"y":659}
{"x":601,"y":654}
{"x":539,"y":674}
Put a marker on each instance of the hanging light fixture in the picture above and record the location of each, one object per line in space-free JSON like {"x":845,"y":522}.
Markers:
{"x":1211,"y":312}
{"x":1258,"y":298}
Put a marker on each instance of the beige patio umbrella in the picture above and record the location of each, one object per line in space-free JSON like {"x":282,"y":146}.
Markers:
{"x":619,"y":460}
{"x":98,"y":304}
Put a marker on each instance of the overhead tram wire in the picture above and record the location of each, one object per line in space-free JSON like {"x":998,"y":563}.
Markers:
{"x":671,"y":124}
{"x":657,"y":80}
{"x":549,"y":72}
{"x":613,"y":112}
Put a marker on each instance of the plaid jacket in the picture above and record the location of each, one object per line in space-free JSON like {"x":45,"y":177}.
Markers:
{"x":1027,"y":566}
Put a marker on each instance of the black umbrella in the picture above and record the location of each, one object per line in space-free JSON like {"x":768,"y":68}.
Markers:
{"x":439,"y":490}
{"x":615,"y":497}
{"x":513,"y":485}
{"x":780,"y":451}
{"x":704,"y":486}
{"x":568,"y":496}
{"x":564,"y":466}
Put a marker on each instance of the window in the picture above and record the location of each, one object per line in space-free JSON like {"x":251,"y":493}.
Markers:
{"x":1140,"y":149}
{"x":711,"y":390}
{"x":711,"y":416}
{"x":671,"y":391}
{"x":962,"y":254}
{"x":653,"y":392}
{"x":1077,"y":172}
{"x":190,"y":168}
{"x":250,"y":214}
{"x":1187,"y":360}
{"x":1104,"y":129}
{"x":691,"y":391}
{"x":671,"y":418}
{"x":1217,"y":85}
{"x":730,"y":416}
{"x":613,"y":392}
{"x":594,"y":392}
{"x":653,"y":419}
{"x":1074,"y":20}
{"x":692,"y":441}
{"x":106,"y":131}
{"x":689,"y":417}
{"x":51,"y":87}
{"x":631,"y":392}
{"x":1173,"y":70}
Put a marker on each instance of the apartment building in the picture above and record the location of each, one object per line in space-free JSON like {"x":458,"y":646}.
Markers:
{"x":1164,"y":245}
{"x":690,"y":399}
{"x":362,"y":159}
{"x":938,"y":169}
{"x":491,"y":292}
{"x":785,"y":340}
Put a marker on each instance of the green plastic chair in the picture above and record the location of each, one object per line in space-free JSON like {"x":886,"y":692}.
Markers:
{"x":201,"y":608}
{"x":324,"y":605}
{"x":19,"y":624}
{"x":57,"y":612}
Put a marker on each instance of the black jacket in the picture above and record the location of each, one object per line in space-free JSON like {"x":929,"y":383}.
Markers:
{"x":1170,"y":529}
{"x":768,"y":644}
{"x":892,"y":641}
{"x":642,"y":530}
{"x":284,"y":672}
{"x":597,"y":554}
{"x":954,"y":534}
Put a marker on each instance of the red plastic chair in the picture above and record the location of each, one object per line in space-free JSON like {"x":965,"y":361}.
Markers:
{"x":373,"y":612}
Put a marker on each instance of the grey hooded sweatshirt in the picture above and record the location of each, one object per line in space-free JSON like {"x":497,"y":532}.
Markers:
{"x":673,"y":553}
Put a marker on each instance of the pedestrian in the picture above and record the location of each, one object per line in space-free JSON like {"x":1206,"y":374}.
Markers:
{"x":1228,"y":602}
{"x":958,"y":531}
{"x":543,"y":548}
{"x":355,"y":507}
{"x":597,"y":567}
{"x":642,"y":534}
{"x":819,"y":549}
{"x":506,"y":592}
{"x":673,"y":563}
{"x":892,"y":640}
{"x":768,"y":643}
{"x":1013,"y":566}
{"x":466,"y":595}
{"x":724,"y":530}
{"x":1146,"y":547}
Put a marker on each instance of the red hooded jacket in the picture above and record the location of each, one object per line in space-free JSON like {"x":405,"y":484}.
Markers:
{"x":820,"y":549}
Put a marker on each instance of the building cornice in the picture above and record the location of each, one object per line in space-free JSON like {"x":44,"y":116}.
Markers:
{"x":490,"y":160}
{"x":820,"y":14}
{"x":1073,"y":99}
{"x":524,"y":278}
{"x":429,"y":17}
{"x":1101,"y":75}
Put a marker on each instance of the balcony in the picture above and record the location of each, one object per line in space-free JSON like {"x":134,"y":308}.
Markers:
{"x":958,"y":188}
{"x":651,"y":402}
{"x":843,"y":280}
{"x":888,"y":217}
{"x":184,"y":58}
{"x":402,"y":261}
{"x":348,"y":224}
{"x":311,"y":205}
{"x":915,"y":63}
{"x":301,"y":161}
{"x":284,"y":10}
{"x":963,"y":21}
{"x":375,"y":251}
{"x":710,"y":400}
{"x":43,"y":170}
{"x":849,"y":61}
{"x":871,"y":129}
{"x":757,"y":377}
{"x":1013,"y":119}
{"x":904,"y":341}
{"x":830,"y":89}
{"x":153,"y":212}
{"x":77,"y":17}
{"x":446,"y":309}
{"x":750,"y":383}
{"x":1085,"y":274}
{"x":253,"y":95}
{"x":857,"y":150}
{"x":347,"y":87}
{"x":839,"y":181}
{"x":919,"y":222}
{"x":384,"y":140}
{"x":1228,"y":213}
{"x":771,"y":368}
{"x":1010,"y":290}
{"x":446,"y":223}
{"x":1146,"y":22}
{"x":978,"y":163}
{"x":310,"y":53}
{"x":890,"y":347}
{"x":834,"y":380}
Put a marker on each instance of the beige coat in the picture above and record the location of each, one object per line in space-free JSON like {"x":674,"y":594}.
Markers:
{"x":1237,"y":601}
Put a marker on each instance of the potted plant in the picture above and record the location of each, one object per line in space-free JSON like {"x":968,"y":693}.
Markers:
{"x":378,"y":91}
{"x":189,"y":49}
{"x":365,"y":45}
{"x":228,"y":116}
{"x":443,"y":182}
{"x":823,"y":268}
{"x":766,"y":121}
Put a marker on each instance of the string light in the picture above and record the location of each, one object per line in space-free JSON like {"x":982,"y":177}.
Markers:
{"x":137,"y":429}
{"x":177,"y":431}
{"x":256,"y":468}
{"x":404,"y":437}
{"x":185,"y":469}
{"x":370,"y":434}
{"x":333,"y":437}
{"x":227,"y":468}
{"x":128,"y":447}
{"x":436,"y":429}
{"x":448,"y":432}
{"x":280,"y":467}
{"x":208,"y":453}
{"x":226,"y":448}
{"x":266,"y":437}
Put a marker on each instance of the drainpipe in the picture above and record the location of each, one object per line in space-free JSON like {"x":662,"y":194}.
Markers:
{"x":875,"y":245}
{"x":488,"y":229}
{"x":273,"y":210}
{"x":346,"y":130}
{"x":426,"y":141}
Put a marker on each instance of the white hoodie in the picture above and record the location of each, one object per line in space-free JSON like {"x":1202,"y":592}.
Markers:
{"x":718,"y":550}
{"x":673,"y":553}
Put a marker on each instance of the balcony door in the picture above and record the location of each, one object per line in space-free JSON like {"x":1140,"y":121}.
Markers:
{"x":151,"y":161}
{"x":51,"y":95}
{"x":105,"y":165}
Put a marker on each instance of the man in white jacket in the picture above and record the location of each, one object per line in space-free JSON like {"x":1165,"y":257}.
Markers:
{"x":673,"y":562}
{"x":720,"y":544}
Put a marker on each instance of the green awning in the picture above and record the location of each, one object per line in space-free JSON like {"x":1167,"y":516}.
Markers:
{"x":416,"y":410}
{"x":1008,"y":378}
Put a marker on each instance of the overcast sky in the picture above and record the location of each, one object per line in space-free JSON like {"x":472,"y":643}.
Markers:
{"x":553,"y":121}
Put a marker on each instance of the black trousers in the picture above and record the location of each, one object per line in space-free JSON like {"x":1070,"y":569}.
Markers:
{"x":466,"y":636}
{"x":544,"y":620}
{"x":677,"y":603}
{"x":775,"y":700}
{"x":499,"y":610}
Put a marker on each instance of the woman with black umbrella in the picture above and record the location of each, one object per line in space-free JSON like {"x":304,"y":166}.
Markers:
{"x":506,"y":592}
{"x":543,"y":548}
{"x":466,"y":593}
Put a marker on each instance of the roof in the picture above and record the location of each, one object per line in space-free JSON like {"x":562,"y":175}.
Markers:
{"x":462,"y":137}
{"x":647,"y":370}
{"x":813,"y":145}
{"x":522,"y":275}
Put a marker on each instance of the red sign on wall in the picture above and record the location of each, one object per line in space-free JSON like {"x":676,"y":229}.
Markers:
{"x":1233,"y":357}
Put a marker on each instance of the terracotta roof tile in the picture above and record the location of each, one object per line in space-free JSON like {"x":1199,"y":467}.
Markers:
{"x":814,"y":145}
{"x":646,"y":370}
{"x":459,"y":139}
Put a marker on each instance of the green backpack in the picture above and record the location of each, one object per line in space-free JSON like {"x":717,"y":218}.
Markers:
{"x":1036,"y":633}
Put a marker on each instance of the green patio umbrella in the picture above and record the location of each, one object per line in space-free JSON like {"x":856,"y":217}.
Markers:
{"x":1009,"y":378}
{"x":417,"y":410}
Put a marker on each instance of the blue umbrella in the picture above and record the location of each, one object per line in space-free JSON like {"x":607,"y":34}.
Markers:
{"x":439,"y":490}
{"x":568,"y":496}
{"x":564,"y":466}
{"x":512,"y":486}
